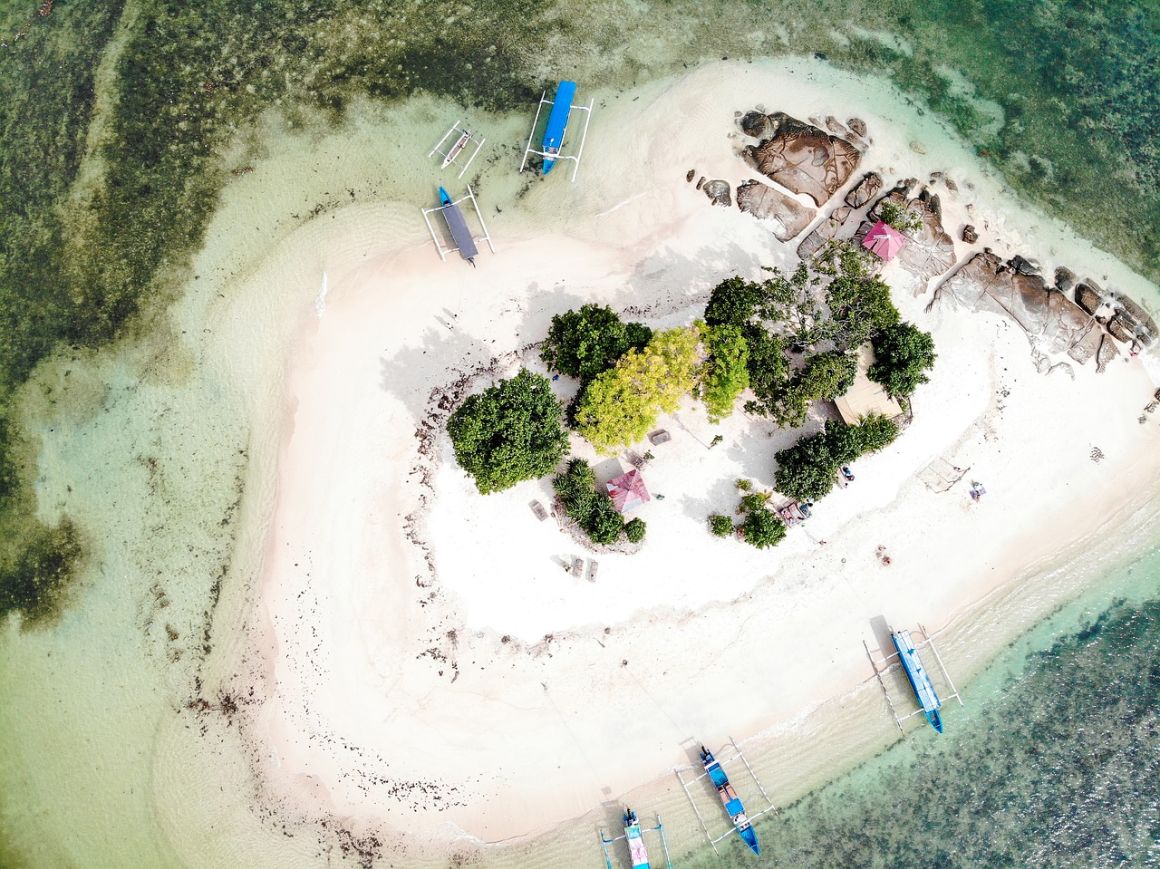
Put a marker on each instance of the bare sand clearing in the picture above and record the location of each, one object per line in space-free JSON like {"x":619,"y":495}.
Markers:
{"x":425,"y":662}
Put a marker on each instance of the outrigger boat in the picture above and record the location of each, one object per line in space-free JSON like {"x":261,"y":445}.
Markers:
{"x":461,"y":237}
{"x":729,"y":799}
{"x":454,"y":150}
{"x":460,"y":234}
{"x":634,"y":835}
{"x":918,"y":677}
{"x":465,"y":138}
{"x":635,"y":839}
{"x":557,"y":127}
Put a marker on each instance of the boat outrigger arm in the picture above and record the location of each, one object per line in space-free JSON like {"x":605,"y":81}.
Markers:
{"x":553,"y":141}
{"x":464,"y":241}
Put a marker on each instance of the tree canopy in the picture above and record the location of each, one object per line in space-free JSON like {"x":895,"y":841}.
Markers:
{"x":620,"y":405}
{"x":592,"y":510}
{"x":762,"y":528}
{"x":582,"y":343}
{"x":806,"y":471}
{"x":904,"y":354}
{"x":725,"y":373}
{"x":509,"y":432}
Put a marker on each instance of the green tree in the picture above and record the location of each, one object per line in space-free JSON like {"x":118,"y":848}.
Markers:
{"x":621,"y":405}
{"x":634,"y":530}
{"x":582,"y":343}
{"x":509,"y":432}
{"x":721,"y":526}
{"x":859,"y":301}
{"x":762,"y":528}
{"x":826,"y":376}
{"x":591,"y":509}
{"x":733,"y":302}
{"x":768,"y":368}
{"x":725,"y":373}
{"x":793,"y":302}
{"x":904,"y":354}
{"x":806,"y":470}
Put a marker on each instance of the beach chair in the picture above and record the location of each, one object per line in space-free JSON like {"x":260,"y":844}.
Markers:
{"x":593,"y":566}
{"x":538,"y":510}
{"x":660,"y":436}
{"x":577,"y":566}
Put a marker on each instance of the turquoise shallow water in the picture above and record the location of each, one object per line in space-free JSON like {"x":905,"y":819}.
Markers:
{"x":1052,"y":762}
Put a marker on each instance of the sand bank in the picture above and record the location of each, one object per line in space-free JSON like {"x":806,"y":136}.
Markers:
{"x":422,"y":661}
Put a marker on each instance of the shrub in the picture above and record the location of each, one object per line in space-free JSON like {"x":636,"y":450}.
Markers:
{"x":899,"y":216}
{"x":721,"y":526}
{"x":733,"y":302}
{"x":762,"y":528}
{"x":585,"y":342}
{"x":752,"y":501}
{"x":743,"y":484}
{"x":634,"y":530}
{"x":904,"y":354}
{"x":509,"y":432}
{"x":592,"y":510}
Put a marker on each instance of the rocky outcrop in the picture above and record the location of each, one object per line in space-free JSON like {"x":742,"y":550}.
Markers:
{"x":931,"y":251}
{"x":864,"y":190}
{"x":823,"y":232}
{"x":1053,"y":322}
{"x":718,"y":192}
{"x":799,"y":156}
{"x":788,"y":216}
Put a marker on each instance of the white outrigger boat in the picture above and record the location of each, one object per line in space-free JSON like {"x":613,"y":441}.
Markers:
{"x":465,"y":138}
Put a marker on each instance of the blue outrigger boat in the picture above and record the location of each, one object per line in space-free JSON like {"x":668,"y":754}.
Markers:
{"x":557,"y":124}
{"x":918,"y":677}
{"x":729,"y":799}
{"x":636,"y":847}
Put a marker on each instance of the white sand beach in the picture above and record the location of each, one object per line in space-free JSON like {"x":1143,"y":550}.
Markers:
{"x":422,"y":663}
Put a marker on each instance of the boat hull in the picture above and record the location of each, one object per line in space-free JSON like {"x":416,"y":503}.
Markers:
{"x":557,"y":123}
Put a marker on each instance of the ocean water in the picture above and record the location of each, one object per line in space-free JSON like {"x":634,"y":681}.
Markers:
{"x":102,"y":761}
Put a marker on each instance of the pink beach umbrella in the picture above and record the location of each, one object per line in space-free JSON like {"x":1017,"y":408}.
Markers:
{"x":884,"y":240}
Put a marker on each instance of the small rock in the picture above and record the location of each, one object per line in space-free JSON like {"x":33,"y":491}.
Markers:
{"x":918,"y":147}
{"x":1121,"y":330}
{"x":700,"y":181}
{"x":951,"y":185}
{"x":1065,"y":280}
{"x":756,"y":124}
{"x":969,"y":235}
{"x":857,"y":125}
{"x":690,"y":175}
{"x":718,"y":192}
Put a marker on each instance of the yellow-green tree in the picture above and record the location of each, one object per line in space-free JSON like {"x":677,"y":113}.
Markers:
{"x":621,"y":405}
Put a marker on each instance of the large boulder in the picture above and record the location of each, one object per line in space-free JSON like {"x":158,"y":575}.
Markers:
{"x":788,"y":216}
{"x":864,"y":190}
{"x":823,"y":232}
{"x":1107,"y":352}
{"x":800,"y":157}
